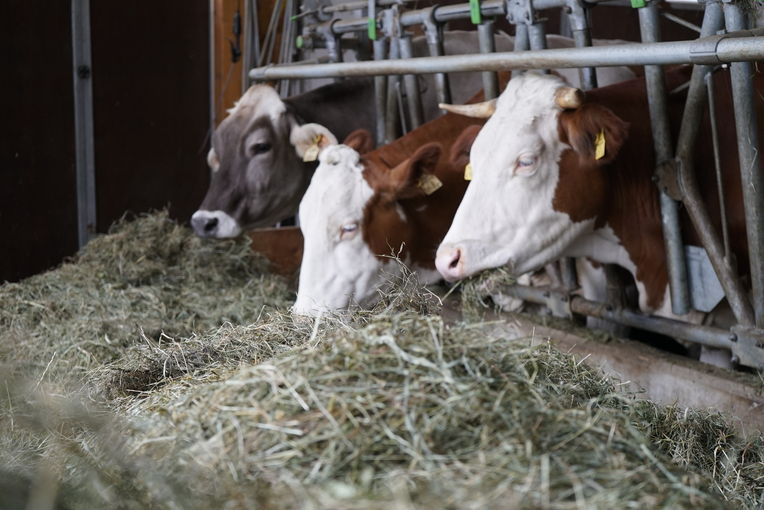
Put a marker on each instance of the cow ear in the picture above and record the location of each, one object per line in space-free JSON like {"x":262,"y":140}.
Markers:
{"x":403,"y":180}
{"x":460,"y":150}
{"x":594,"y":132}
{"x":311,"y":137}
{"x":360,"y":140}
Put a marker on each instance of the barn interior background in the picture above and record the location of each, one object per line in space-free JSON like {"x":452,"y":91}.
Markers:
{"x":110,"y":114}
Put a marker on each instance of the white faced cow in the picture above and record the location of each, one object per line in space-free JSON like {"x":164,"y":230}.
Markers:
{"x":556,"y":176}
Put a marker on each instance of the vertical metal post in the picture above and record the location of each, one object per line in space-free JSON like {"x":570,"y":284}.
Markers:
{"x":657,"y":101}
{"x":83,"y":121}
{"x":691,"y":198}
{"x":582,"y":36}
{"x":488,"y":45}
{"x":380,"y":93}
{"x":522,"y":42}
{"x":392,"y":114}
{"x":434,"y":35}
{"x":537,"y":38}
{"x":411,"y":85}
{"x":750,"y":162}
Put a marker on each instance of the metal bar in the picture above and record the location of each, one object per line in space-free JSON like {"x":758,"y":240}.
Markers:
{"x":522,"y":42}
{"x":718,"y":165}
{"x":662,"y":141}
{"x":704,"y":335}
{"x":488,"y":45}
{"x":690,"y":192}
{"x":582,"y":37}
{"x":83,"y":121}
{"x":679,"y":21}
{"x":380,"y":93}
{"x":750,"y":163}
{"x":434,"y":33}
{"x":537,"y":38}
{"x":414,"y":102}
{"x":392,"y":116}
{"x":727,"y":49}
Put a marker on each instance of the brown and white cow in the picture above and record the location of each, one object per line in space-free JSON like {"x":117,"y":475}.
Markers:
{"x":554,"y":177}
{"x":358,"y":210}
{"x":258,"y":178}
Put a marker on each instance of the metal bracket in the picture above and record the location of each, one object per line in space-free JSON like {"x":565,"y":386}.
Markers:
{"x":667,"y":178}
{"x":748,"y":346}
{"x":431,"y":26}
{"x":704,"y":50}
{"x":520,"y":11}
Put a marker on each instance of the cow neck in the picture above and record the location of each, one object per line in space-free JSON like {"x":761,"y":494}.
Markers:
{"x":341,"y":107}
{"x":421,"y":222}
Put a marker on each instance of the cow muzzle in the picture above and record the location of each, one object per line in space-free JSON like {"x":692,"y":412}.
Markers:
{"x":450,"y":262}
{"x":215,"y":224}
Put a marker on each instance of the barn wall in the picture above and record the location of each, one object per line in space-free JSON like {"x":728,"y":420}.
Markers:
{"x":151,"y":102}
{"x":37,"y":190}
{"x":151,"y":109}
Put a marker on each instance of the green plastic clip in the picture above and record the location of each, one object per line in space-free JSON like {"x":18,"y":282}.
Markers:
{"x":372,"y":29}
{"x":475,"y":15}
{"x":299,"y":42}
{"x":638,"y":3}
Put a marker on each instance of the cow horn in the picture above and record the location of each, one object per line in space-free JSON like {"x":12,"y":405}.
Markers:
{"x":568,"y":98}
{"x":478,"y":110}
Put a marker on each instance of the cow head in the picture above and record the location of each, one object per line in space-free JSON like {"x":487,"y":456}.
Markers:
{"x":537,"y":185}
{"x":351,"y":220}
{"x":258,"y":175}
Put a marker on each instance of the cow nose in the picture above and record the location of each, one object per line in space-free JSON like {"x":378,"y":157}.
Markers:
{"x":203,"y":225}
{"x":450,"y":262}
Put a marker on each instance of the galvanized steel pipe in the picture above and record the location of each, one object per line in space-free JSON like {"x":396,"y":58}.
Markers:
{"x":731,"y":48}
{"x":657,"y":101}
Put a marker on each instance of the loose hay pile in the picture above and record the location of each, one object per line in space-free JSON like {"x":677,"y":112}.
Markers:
{"x":389,"y":409}
{"x":147,"y":279}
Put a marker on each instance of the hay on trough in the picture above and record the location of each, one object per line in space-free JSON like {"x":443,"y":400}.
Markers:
{"x":146,"y":279}
{"x":391,"y":408}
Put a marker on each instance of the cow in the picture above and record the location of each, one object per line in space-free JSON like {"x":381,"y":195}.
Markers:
{"x":558,"y":175}
{"x":357,"y":211}
{"x":257,"y":176}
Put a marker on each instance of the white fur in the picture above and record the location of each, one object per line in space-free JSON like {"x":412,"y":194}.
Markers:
{"x":227,"y":226}
{"x":335,"y":272}
{"x":265,"y":98}
{"x":212,"y":160}
{"x":506,"y":216}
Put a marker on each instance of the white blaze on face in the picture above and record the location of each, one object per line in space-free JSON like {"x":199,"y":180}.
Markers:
{"x":338,"y":268}
{"x":506,"y":216}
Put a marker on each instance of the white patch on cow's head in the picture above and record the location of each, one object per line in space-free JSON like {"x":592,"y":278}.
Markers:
{"x":506,"y":216}
{"x":216,"y":224}
{"x":212,"y":160}
{"x":262,"y":97}
{"x":338,"y":268}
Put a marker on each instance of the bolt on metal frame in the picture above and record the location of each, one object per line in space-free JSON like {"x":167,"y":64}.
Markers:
{"x":738,"y":47}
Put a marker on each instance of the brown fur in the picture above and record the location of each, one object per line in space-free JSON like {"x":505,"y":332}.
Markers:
{"x":360,"y":140}
{"x":619,"y":190}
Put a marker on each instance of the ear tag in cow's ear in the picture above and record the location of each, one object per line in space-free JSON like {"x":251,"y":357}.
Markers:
{"x":468,"y":172}
{"x":599,"y":145}
{"x":311,"y":153}
{"x":429,"y":184}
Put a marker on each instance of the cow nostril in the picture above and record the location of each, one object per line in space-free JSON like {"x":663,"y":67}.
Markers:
{"x":455,"y":259}
{"x":210,"y":225}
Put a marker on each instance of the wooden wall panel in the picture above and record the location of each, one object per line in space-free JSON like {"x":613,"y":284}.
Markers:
{"x":37,"y":176}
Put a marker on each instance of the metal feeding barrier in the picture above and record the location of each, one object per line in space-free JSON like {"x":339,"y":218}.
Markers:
{"x":724,"y":39}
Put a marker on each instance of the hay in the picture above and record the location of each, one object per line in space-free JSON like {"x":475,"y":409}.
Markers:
{"x":147,"y":278}
{"x":390,"y":408}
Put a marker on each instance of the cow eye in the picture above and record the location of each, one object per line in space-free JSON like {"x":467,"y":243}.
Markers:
{"x":526,"y":161}
{"x":260,"y":148}
{"x":347,"y":230}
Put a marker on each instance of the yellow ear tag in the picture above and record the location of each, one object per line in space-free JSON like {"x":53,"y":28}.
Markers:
{"x":599,"y":145}
{"x":468,"y":172}
{"x":311,"y":153}
{"x":429,"y":184}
